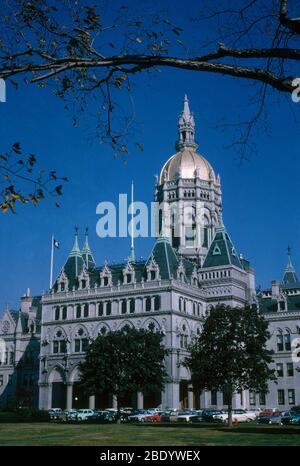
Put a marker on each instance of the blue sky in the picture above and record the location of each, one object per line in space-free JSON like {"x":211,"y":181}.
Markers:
{"x":260,"y":197}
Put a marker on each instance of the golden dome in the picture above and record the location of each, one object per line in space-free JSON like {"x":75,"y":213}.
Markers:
{"x":187,"y":164}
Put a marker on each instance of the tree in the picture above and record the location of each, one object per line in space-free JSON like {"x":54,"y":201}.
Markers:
{"x":127,"y":361}
{"x":77,"y":52}
{"x":230,"y":355}
{"x":21,"y":182}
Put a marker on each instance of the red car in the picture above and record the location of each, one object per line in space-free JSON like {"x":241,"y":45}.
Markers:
{"x":266,"y":412}
{"x":154,"y":417}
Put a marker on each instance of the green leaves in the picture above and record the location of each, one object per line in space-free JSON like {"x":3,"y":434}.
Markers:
{"x":125,"y":361}
{"x":21,"y":182}
{"x":231,"y":350}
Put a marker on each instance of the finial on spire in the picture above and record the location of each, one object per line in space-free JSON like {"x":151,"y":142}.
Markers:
{"x":186,"y":125}
{"x":86,"y":251}
{"x":290,"y":277}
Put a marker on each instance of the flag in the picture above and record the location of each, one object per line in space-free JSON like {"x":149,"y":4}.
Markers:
{"x":55,"y":243}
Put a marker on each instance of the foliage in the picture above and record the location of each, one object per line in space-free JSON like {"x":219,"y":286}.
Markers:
{"x":230,"y":355}
{"x":32,"y":415}
{"x":33,"y":184}
{"x":129,"y":360}
{"x":82,"y":54}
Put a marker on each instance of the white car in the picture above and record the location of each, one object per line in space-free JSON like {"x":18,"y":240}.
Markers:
{"x":84,"y":414}
{"x":186,"y":415}
{"x":238,"y":415}
{"x":139,"y":415}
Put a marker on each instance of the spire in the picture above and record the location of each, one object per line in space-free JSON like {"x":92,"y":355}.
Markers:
{"x":75,"y":249}
{"x":186,"y":126}
{"x":132,"y":253}
{"x":86,"y":252}
{"x":75,"y":252}
{"x":290,"y":277}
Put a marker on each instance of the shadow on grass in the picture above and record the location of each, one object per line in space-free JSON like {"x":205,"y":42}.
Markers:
{"x":255,"y":429}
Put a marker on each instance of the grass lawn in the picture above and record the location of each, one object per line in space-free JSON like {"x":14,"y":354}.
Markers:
{"x":154,"y":434}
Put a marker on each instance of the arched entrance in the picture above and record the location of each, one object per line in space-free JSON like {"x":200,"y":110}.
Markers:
{"x":59,"y":388}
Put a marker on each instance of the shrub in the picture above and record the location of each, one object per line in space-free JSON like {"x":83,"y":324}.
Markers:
{"x":32,"y":415}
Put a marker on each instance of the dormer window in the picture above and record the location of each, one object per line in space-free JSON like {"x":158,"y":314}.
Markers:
{"x":216,"y":251}
{"x":128,"y":273}
{"x":105,"y":276}
{"x":152,"y":270}
{"x":62,"y":282}
{"x":84,"y":279}
{"x":181,"y":271}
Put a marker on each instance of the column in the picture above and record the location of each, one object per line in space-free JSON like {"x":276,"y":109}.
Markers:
{"x":204,"y":399}
{"x":115,"y":402}
{"x":140,"y":400}
{"x":69,"y":395}
{"x":49,"y":395}
{"x":92,"y":402}
{"x":170,"y":397}
{"x":190,"y":397}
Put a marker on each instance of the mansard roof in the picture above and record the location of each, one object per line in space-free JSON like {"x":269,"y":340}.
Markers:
{"x":165,"y":257}
{"x":222,"y":251}
{"x":270,"y":305}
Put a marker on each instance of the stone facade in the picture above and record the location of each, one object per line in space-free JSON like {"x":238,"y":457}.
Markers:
{"x":184,"y":275}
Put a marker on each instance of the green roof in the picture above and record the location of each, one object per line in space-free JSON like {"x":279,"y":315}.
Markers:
{"x":165,"y":257}
{"x":221,"y":251}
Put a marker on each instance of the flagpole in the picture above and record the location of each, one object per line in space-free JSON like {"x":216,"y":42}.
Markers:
{"x":51,"y":261}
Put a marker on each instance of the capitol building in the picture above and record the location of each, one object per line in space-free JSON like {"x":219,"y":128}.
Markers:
{"x":192,"y":266}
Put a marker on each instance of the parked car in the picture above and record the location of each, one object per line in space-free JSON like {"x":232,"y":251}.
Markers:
{"x":211,"y":415}
{"x":110,"y":415}
{"x":274,"y":418}
{"x":139,"y":415}
{"x":55,"y":413}
{"x":238,"y":415}
{"x":169,"y":416}
{"x":85,"y":414}
{"x":267,"y":412}
{"x":199,"y":417}
{"x":153,"y":416}
{"x":69,"y":415}
{"x":186,"y":415}
{"x":291,"y":418}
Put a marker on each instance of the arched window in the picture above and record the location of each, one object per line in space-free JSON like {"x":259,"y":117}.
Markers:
{"x":180,"y":304}
{"x":100,"y":309}
{"x":86,"y":310}
{"x":287,"y":341}
{"x":78,"y":311}
{"x":194,"y":308}
{"x":108,"y":308}
{"x":64,"y":312}
{"x":80,"y":341}
{"x":132,"y":306}
{"x":56,"y":313}
{"x":59,"y":343}
{"x":157,"y":303}
{"x":148,"y":304}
